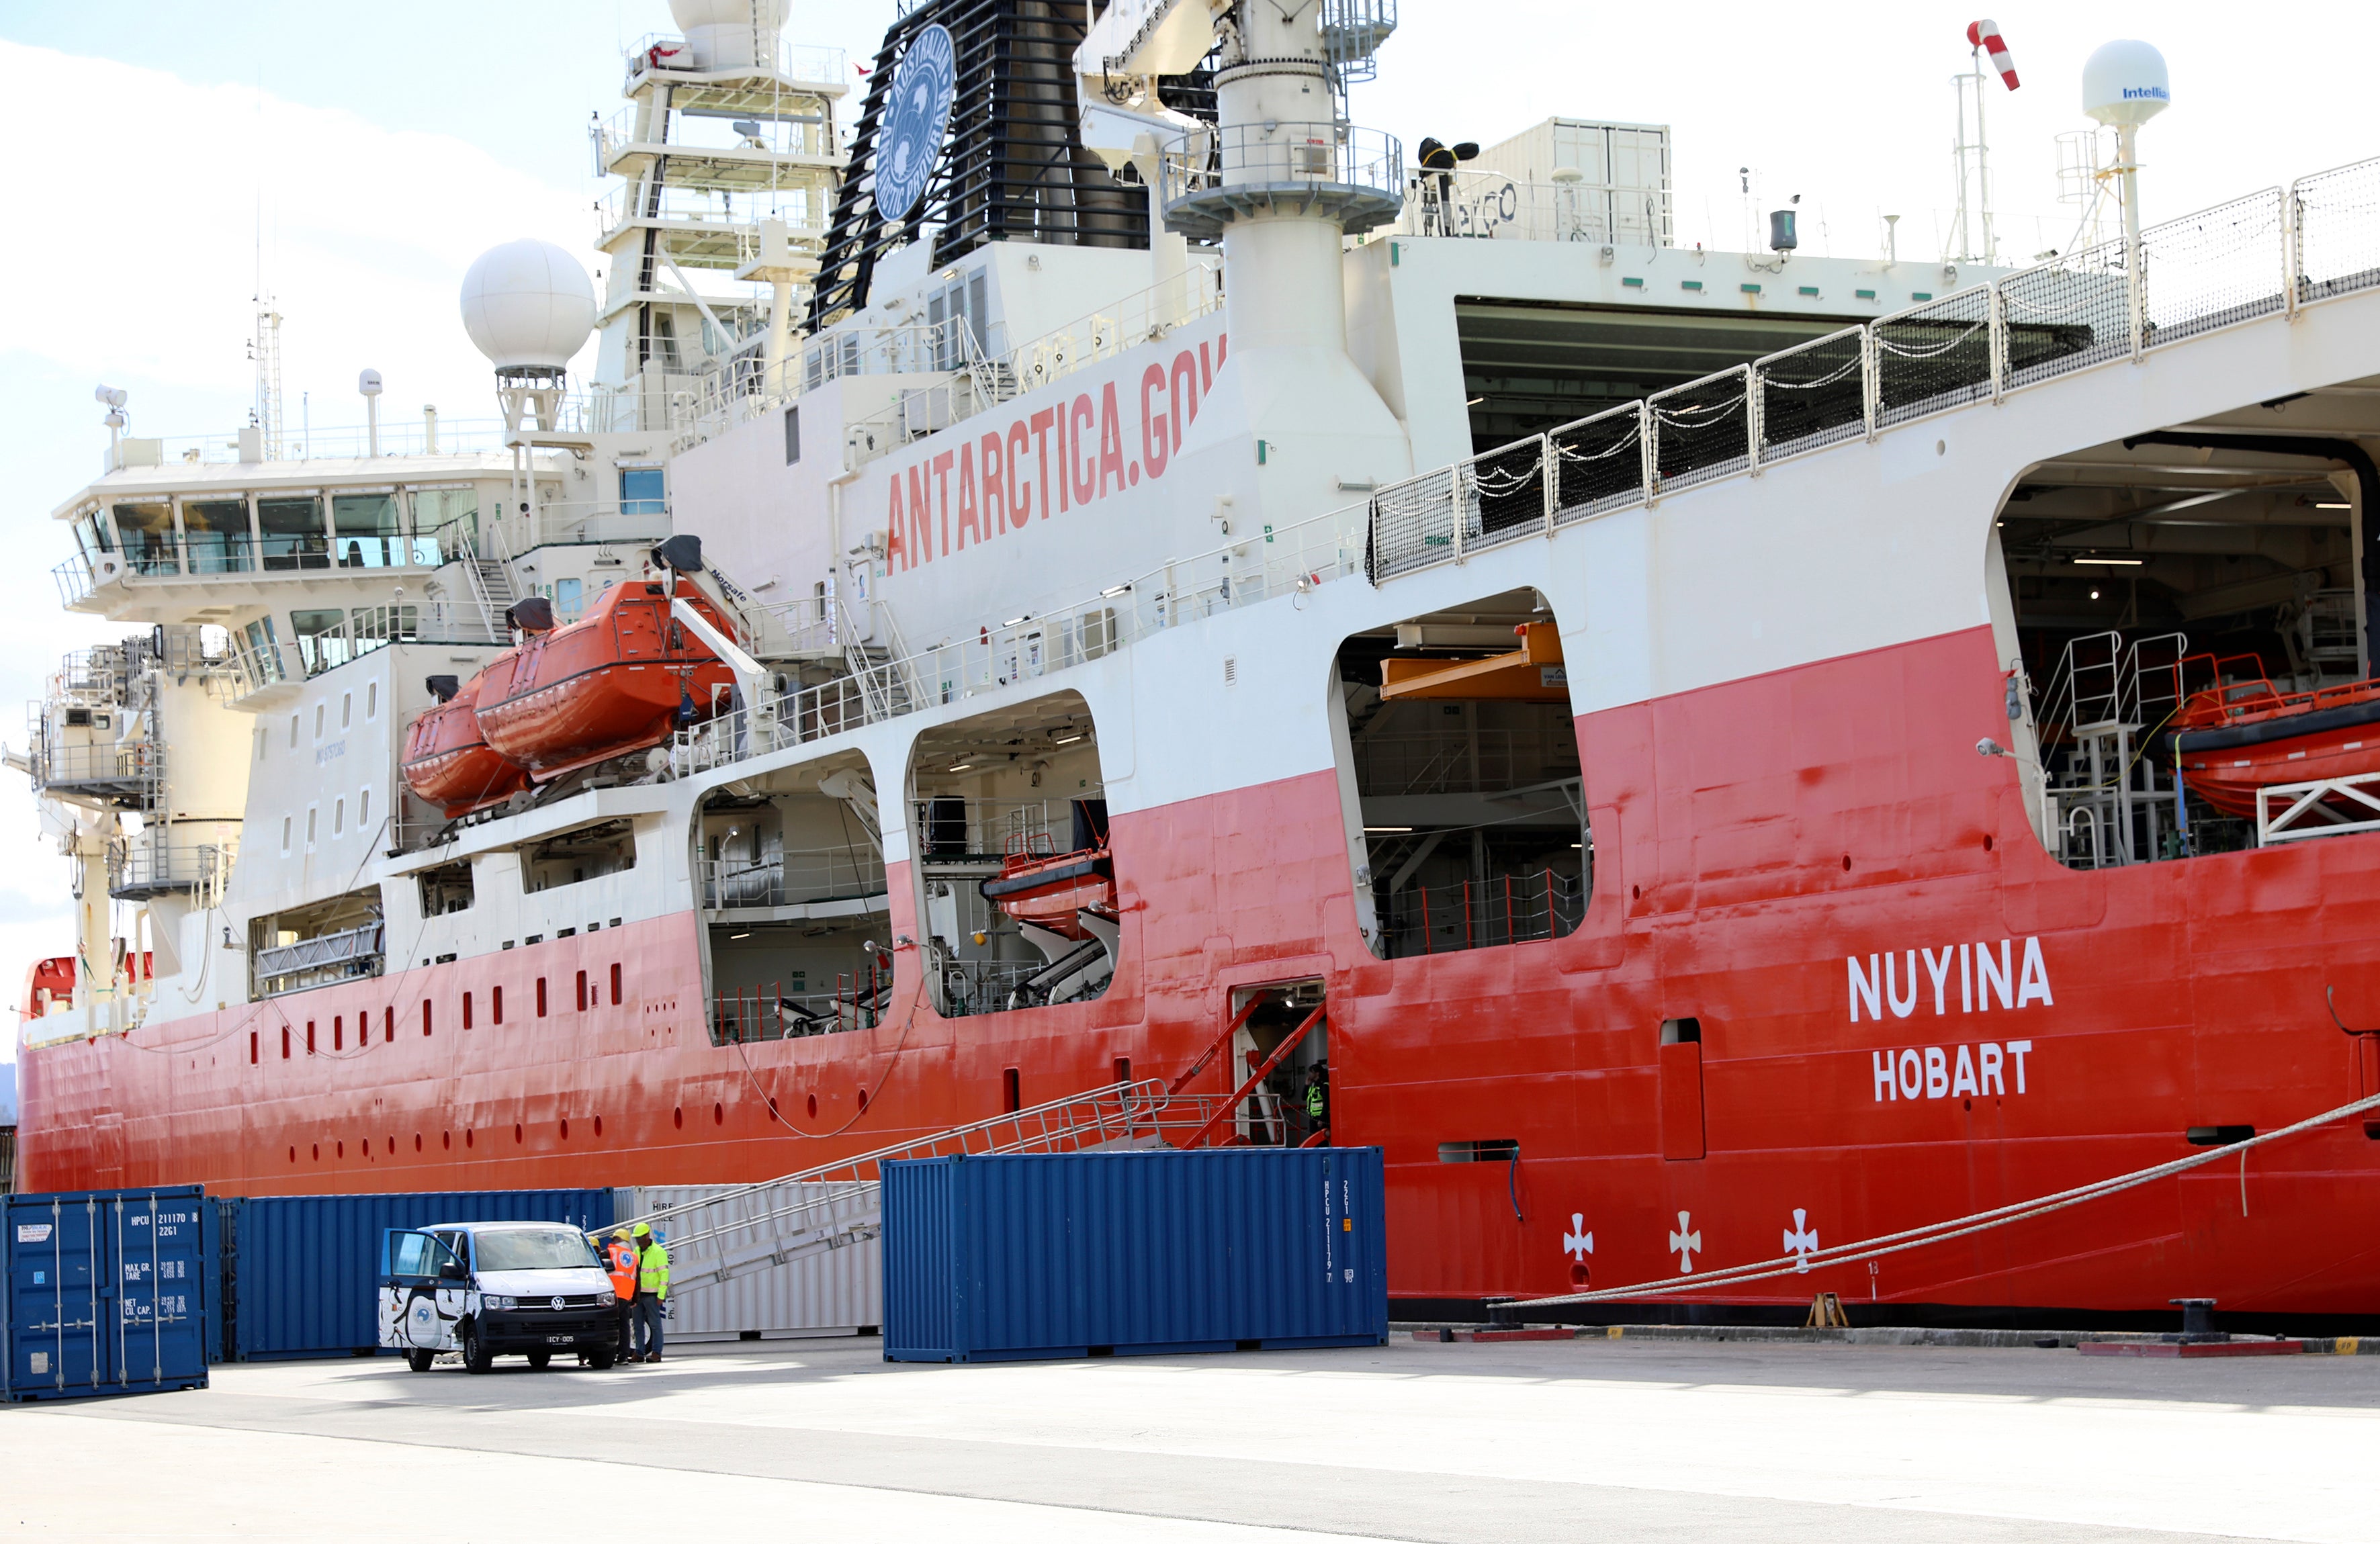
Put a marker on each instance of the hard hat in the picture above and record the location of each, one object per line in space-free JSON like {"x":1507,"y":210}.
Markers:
{"x":644,"y":1230}
{"x":619,"y":1233}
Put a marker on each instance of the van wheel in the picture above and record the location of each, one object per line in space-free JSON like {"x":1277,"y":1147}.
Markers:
{"x":601,"y":1360}
{"x":539,"y":1360}
{"x":476,"y":1357}
{"x":419,"y":1360}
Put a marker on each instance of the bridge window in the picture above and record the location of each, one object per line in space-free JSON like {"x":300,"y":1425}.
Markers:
{"x":1460,"y":775}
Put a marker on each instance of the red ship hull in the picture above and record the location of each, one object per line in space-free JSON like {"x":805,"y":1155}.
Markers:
{"x":1780,"y":838}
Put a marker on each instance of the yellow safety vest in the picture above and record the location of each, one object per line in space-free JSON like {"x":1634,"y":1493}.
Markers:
{"x":652,"y":1271}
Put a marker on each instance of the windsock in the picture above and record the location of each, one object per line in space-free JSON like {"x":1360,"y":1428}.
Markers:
{"x":1986,"y":35}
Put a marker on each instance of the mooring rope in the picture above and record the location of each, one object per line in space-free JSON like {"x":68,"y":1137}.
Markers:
{"x":1956,"y":1227}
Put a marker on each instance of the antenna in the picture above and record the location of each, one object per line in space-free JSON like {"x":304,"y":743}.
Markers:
{"x":368,"y":385}
{"x":1983,"y":37}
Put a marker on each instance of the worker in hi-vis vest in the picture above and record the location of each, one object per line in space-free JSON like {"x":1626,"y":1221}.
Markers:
{"x":1318,"y":1100}
{"x":652,"y":1294}
{"x":620,"y":1264}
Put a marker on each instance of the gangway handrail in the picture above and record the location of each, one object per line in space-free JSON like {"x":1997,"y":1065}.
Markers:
{"x":1124,"y":1109}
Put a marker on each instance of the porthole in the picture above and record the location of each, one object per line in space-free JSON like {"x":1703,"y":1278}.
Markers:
{"x":813,"y":1106}
{"x":516,"y":1133}
{"x":719,"y":1115}
{"x":677,"y":1118}
{"x":318,"y":1152}
{"x":863,"y":1101}
{"x":565,"y":1130}
{"x":599,"y":1126}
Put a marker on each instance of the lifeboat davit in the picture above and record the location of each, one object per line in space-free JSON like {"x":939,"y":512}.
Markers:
{"x":2243,"y":735}
{"x":448,"y":762}
{"x":617,"y":681}
{"x":1048,"y":888}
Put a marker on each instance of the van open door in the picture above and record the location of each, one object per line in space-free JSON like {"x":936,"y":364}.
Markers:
{"x":420,"y":1283}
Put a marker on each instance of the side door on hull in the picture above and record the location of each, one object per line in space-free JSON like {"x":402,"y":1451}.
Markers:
{"x":419,"y":1283}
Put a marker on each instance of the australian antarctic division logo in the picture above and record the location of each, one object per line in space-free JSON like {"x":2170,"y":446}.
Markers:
{"x":916,"y":120}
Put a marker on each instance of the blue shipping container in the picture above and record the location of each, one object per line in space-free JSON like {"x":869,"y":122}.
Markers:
{"x":106,"y":1292}
{"x":1012,"y":1257}
{"x":303,"y":1271}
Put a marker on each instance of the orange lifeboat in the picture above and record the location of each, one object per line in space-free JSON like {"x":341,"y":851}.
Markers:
{"x":448,"y":762}
{"x":2244,"y":734}
{"x":1048,"y":888}
{"x":618,"y":679}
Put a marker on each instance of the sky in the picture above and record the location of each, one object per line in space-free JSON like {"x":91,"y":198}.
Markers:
{"x":358,"y":158}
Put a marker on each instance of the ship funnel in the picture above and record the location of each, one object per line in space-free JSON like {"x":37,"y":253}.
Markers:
{"x":729,"y":34}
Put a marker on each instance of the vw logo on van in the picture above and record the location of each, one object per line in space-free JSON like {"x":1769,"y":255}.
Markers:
{"x":557,"y":1305}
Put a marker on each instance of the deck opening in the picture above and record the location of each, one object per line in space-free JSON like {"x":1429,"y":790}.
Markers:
{"x":1459,"y":779}
{"x":1011,"y":1097}
{"x":1017,"y":871}
{"x":795,"y":904}
{"x":2218,"y":1136}
{"x":1271,"y":1059}
{"x":1480,"y":1150}
{"x":2187,"y":634}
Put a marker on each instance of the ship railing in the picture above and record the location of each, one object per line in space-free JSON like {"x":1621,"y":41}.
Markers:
{"x":125,"y":772}
{"x":1267,"y":563}
{"x":155,"y":860}
{"x":801,"y":878}
{"x":2271,"y":253}
{"x":1492,"y":206}
{"x":726,"y":222}
{"x":369,"y":628}
{"x":969,"y":987}
{"x":954,"y":829}
{"x":399,"y":438}
{"x":760,"y":1226}
{"x":799,"y":132}
{"x":767,"y":1010}
{"x":1478,"y":914}
{"x":1490,"y":761}
{"x":969,"y":372}
{"x":664,"y":55}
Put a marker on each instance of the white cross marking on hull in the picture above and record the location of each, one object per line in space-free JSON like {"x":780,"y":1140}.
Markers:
{"x":1578,"y":1243}
{"x":1686,"y":1244}
{"x":1800,"y":1239}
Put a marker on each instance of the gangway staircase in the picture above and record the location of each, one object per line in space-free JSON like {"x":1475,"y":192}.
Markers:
{"x":833,"y":1206}
{"x":2111,"y":801}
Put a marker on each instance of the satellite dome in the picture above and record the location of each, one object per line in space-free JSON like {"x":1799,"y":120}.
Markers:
{"x":527,"y":306}
{"x":2124,"y":82}
{"x":721,"y":32}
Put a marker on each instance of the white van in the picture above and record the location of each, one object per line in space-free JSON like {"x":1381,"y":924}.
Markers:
{"x":491,"y":1289}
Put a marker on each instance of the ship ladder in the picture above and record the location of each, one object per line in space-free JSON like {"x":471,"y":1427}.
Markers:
{"x":832,"y":1206}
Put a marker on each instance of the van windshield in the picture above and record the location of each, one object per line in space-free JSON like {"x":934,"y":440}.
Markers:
{"x":533,"y":1249}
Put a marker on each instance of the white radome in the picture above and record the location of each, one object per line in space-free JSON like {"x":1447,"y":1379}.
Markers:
{"x":722,"y":33}
{"x":527,"y":303}
{"x":2125,"y":82}
{"x":691,"y":14}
